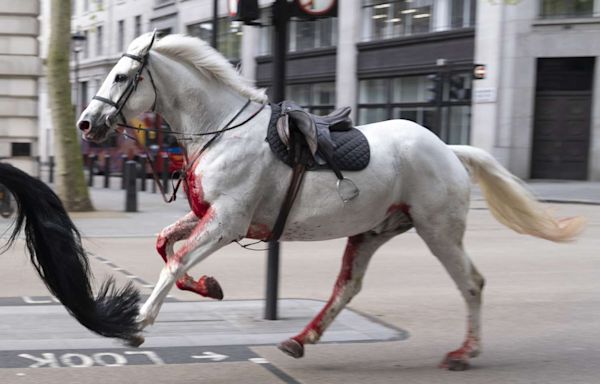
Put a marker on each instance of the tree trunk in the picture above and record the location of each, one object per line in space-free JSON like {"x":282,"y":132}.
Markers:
{"x":70,"y":180}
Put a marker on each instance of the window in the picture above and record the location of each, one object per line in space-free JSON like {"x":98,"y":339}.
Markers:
{"x":303,"y":34}
{"x":138,"y":26}
{"x":566,"y":8}
{"x":462,"y":13}
{"x":121,"y":35}
{"x":409,"y":97}
{"x":311,"y":34}
{"x":229,"y":36}
{"x":20,"y":149}
{"x":317,"y":98}
{"x":86,"y":45}
{"x":99,"y":41}
{"x":384,"y":19}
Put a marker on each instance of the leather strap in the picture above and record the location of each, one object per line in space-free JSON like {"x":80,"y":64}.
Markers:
{"x":292,"y":192}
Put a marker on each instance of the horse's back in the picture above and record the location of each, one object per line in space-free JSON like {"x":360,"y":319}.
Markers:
{"x":429,"y":172}
{"x":409,"y":166}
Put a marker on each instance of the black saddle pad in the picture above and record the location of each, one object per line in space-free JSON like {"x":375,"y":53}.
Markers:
{"x":352,"y":151}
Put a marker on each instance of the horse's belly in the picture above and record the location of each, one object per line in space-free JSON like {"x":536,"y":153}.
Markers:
{"x":320,"y":214}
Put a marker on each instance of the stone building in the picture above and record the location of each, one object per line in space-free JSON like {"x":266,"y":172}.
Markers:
{"x":20,"y":67}
{"x":384,"y":58}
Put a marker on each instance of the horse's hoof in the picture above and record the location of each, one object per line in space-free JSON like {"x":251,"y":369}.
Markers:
{"x":292,"y":348}
{"x":135,"y":341}
{"x":457,"y":365}
{"x":212,"y":287}
{"x":454,"y":363}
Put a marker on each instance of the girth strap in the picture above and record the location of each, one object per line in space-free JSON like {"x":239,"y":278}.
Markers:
{"x":292,"y":192}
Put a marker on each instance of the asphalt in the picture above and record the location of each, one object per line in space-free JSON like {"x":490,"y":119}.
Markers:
{"x":110,"y":219}
{"x":414,"y":312}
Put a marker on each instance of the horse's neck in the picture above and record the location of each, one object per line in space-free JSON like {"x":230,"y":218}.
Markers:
{"x":192,"y":103}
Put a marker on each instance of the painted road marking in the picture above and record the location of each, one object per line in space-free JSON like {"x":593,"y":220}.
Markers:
{"x":82,"y":358}
{"x":211,"y":356}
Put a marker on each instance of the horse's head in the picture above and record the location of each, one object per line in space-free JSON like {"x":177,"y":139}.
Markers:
{"x":125,"y":92}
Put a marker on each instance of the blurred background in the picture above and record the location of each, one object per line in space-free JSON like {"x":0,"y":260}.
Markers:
{"x":517,"y":78}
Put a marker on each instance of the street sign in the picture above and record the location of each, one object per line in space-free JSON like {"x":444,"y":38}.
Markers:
{"x":232,"y":7}
{"x":479,"y":71}
{"x":317,"y":8}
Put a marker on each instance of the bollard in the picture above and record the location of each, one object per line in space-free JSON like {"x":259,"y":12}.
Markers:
{"x":51,"y":170}
{"x":106,"y":170}
{"x":165,"y":172}
{"x":92,"y":162}
{"x":143,"y":172}
{"x":130,"y":171}
{"x":123,"y":161}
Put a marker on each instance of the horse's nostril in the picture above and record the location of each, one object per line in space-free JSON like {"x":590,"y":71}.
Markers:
{"x":84,"y":125}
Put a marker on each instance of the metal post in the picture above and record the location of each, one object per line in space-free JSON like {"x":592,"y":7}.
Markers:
{"x":76,"y":80}
{"x":281,"y":15}
{"x":165,"y":172}
{"x":131,"y":169}
{"x":123,"y":162}
{"x":215,"y":24}
{"x":92,"y":162}
{"x":106,"y":170}
{"x":51,"y":180}
{"x":143,"y":172}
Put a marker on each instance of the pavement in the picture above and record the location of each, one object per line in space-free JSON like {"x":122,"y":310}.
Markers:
{"x":398,"y":328}
{"x":153,"y":213}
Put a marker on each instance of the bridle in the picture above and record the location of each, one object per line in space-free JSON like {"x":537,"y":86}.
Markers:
{"x":131,"y":86}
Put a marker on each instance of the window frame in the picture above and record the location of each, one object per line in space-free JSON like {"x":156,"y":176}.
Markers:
{"x":445,"y":107}
{"x":593,"y":12}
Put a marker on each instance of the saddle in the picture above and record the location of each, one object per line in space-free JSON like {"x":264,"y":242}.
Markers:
{"x":308,"y":142}
{"x":319,"y":142}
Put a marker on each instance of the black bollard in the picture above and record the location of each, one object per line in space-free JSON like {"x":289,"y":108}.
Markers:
{"x":165,"y":172}
{"x":106,"y":170}
{"x":92,"y":163}
{"x":130,"y":170}
{"x":143,"y":172}
{"x":123,"y":161}
{"x":51,"y":170}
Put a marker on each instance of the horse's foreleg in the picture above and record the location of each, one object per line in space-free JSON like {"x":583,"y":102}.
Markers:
{"x":206,"y":286}
{"x":359,"y":250}
{"x":210,"y":233}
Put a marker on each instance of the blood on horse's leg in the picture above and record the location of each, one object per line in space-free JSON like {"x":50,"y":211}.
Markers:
{"x":359,"y":250}
{"x":206,"y":286}
{"x":444,"y":237}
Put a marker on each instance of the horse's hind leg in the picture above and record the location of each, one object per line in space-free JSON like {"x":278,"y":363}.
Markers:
{"x":445,"y":242}
{"x":359,"y":250}
{"x":206,"y":286}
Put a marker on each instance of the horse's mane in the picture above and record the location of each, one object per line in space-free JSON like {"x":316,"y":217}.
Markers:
{"x":205,"y":59}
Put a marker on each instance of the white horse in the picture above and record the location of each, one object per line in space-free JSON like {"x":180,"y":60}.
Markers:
{"x":236,"y":185}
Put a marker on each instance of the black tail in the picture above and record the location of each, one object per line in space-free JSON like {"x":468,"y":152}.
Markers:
{"x":55,"y":248}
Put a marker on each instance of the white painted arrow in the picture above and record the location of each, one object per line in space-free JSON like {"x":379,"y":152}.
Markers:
{"x":211,"y":356}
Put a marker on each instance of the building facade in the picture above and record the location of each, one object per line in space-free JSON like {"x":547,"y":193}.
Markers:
{"x":538,"y":109}
{"x":20,"y":68}
{"x":409,"y":59}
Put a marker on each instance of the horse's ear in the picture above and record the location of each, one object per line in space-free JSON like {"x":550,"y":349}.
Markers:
{"x":149,"y":46}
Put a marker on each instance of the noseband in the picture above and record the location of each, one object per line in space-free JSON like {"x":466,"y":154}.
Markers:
{"x":129,"y":89}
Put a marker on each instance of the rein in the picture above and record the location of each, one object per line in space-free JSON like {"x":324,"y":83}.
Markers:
{"x":188,"y":163}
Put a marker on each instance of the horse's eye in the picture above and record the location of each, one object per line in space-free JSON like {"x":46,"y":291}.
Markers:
{"x":119,"y":78}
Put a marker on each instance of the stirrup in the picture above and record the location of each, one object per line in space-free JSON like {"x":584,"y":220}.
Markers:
{"x":347,"y":189}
